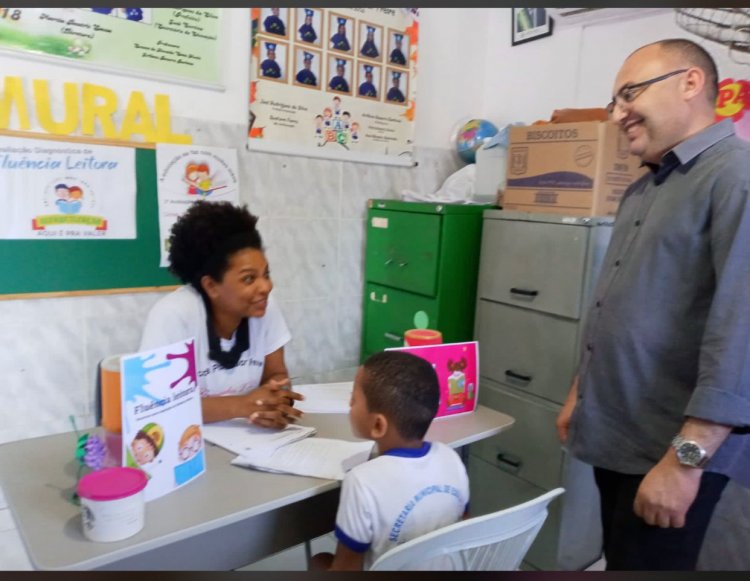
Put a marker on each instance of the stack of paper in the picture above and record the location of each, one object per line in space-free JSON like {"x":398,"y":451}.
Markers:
{"x":317,"y":457}
{"x":324,"y":398}
{"x":242,"y":437}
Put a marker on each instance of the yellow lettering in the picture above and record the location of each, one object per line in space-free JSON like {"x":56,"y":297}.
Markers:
{"x":137,"y":119}
{"x":93,"y":110}
{"x":13,"y":93}
{"x":44,"y":108}
{"x":164,"y":123}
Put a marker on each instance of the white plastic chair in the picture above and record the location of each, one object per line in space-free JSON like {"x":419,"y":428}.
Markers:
{"x":491,"y":542}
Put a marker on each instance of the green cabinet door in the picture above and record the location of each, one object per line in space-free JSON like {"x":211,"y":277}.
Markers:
{"x":402,"y":250}
{"x":389,"y":313}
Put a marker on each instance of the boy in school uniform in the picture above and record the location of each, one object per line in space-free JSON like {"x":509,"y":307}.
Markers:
{"x":412,"y":487}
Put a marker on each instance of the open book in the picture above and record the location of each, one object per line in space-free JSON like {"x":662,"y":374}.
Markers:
{"x":317,"y":457}
{"x":242,"y":437}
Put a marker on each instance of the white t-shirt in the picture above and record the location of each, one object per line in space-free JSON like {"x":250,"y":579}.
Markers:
{"x":400,"y":495}
{"x":182,"y":314}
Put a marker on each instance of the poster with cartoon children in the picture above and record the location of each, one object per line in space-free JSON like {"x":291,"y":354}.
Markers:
{"x":161,"y":416}
{"x":457,"y":368}
{"x":188,"y":173}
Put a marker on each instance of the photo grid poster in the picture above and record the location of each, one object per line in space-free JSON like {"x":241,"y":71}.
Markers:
{"x":334,"y":82}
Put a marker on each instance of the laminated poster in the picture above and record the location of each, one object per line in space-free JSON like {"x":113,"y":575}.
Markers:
{"x":337,"y":83}
{"x":188,"y":173}
{"x":180,"y":44}
{"x":161,"y":417}
{"x":457,"y":367}
{"x":51,"y":190}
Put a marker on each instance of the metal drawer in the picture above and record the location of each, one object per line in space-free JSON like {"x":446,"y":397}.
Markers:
{"x":491,"y":490}
{"x":534,"y":265}
{"x":571,"y":537}
{"x":390,"y":312}
{"x":530,"y":351}
{"x":530,"y":450}
{"x":403,"y":249}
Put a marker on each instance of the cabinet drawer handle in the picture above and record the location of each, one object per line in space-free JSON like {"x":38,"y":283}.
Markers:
{"x":509,"y":462}
{"x":513,"y":375}
{"x":524,"y":292}
{"x":394,"y":337}
{"x":374,"y":298}
{"x":389,"y":262}
{"x":402,"y":264}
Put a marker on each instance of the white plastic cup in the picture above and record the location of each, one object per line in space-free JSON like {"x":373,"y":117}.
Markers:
{"x":112,"y":503}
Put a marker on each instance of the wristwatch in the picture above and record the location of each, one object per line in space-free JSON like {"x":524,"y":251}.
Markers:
{"x":689,"y":452}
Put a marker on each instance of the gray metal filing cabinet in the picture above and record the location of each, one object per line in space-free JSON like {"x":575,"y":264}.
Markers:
{"x":536,"y":274}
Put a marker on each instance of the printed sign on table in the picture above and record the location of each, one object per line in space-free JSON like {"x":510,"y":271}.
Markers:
{"x":162,"y":419}
{"x":457,"y":368}
{"x":188,"y":173}
{"x":54,"y":190}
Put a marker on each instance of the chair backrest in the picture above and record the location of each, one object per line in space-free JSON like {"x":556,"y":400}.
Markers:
{"x":491,"y":542}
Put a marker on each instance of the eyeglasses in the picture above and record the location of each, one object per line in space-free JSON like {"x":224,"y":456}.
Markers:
{"x":630,"y":93}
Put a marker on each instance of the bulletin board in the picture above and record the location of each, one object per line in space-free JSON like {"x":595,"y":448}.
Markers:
{"x":32,"y":268}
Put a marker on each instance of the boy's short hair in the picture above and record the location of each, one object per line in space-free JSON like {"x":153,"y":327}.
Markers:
{"x":404,"y":388}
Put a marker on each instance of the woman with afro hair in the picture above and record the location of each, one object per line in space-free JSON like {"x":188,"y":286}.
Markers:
{"x":225,"y":303}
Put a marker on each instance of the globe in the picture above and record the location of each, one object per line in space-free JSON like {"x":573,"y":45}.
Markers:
{"x":471,"y":136}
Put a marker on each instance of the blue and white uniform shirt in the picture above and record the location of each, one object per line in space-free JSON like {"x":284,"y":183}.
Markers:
{"x":399,"y":496}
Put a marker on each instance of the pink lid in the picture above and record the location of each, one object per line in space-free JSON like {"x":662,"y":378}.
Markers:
{"x":112,"y":483}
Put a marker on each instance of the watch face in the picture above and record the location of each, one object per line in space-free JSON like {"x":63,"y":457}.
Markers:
{"x":689,"y":453}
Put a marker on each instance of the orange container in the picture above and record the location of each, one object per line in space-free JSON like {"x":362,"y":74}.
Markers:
{"x":111,"y":396}
{"x":418,"y":337}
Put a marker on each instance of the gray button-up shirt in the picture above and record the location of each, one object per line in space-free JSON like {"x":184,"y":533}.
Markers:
{"x":668,"y":331}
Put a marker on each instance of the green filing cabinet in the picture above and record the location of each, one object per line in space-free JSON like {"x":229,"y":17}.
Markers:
{"x":421,"y":259}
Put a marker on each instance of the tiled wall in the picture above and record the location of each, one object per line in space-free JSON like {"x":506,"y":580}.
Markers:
{"x":312,"y":217}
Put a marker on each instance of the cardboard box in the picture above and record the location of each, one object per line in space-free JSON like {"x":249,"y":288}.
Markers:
{"x":577,"y":169}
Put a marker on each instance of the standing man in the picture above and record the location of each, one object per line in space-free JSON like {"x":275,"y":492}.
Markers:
{"x":394,"y":93}
{"x":269,"y":67}
{"x":661,"y":403}
{"x":305,"y":75}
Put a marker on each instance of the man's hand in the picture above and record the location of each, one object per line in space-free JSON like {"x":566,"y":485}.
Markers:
{"x":563,"y":418}
{"x":667,"y":492}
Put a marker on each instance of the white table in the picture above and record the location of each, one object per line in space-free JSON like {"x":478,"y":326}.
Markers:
{"x":228,"y":517}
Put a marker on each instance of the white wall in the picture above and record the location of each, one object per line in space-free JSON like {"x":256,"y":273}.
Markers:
{"x":575,"y":67}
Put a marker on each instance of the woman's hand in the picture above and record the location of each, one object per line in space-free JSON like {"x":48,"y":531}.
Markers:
{"x":273,"y":403}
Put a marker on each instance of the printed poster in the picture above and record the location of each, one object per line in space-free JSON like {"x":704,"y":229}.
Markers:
{"x":161,"y":417}
{"x":58,"y":190}
{"x":334,"y":82}
{"x":188,"y":173}
{"x":733,"y":102}
{"x":457,"y":368}
{"x":181,"y":43}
